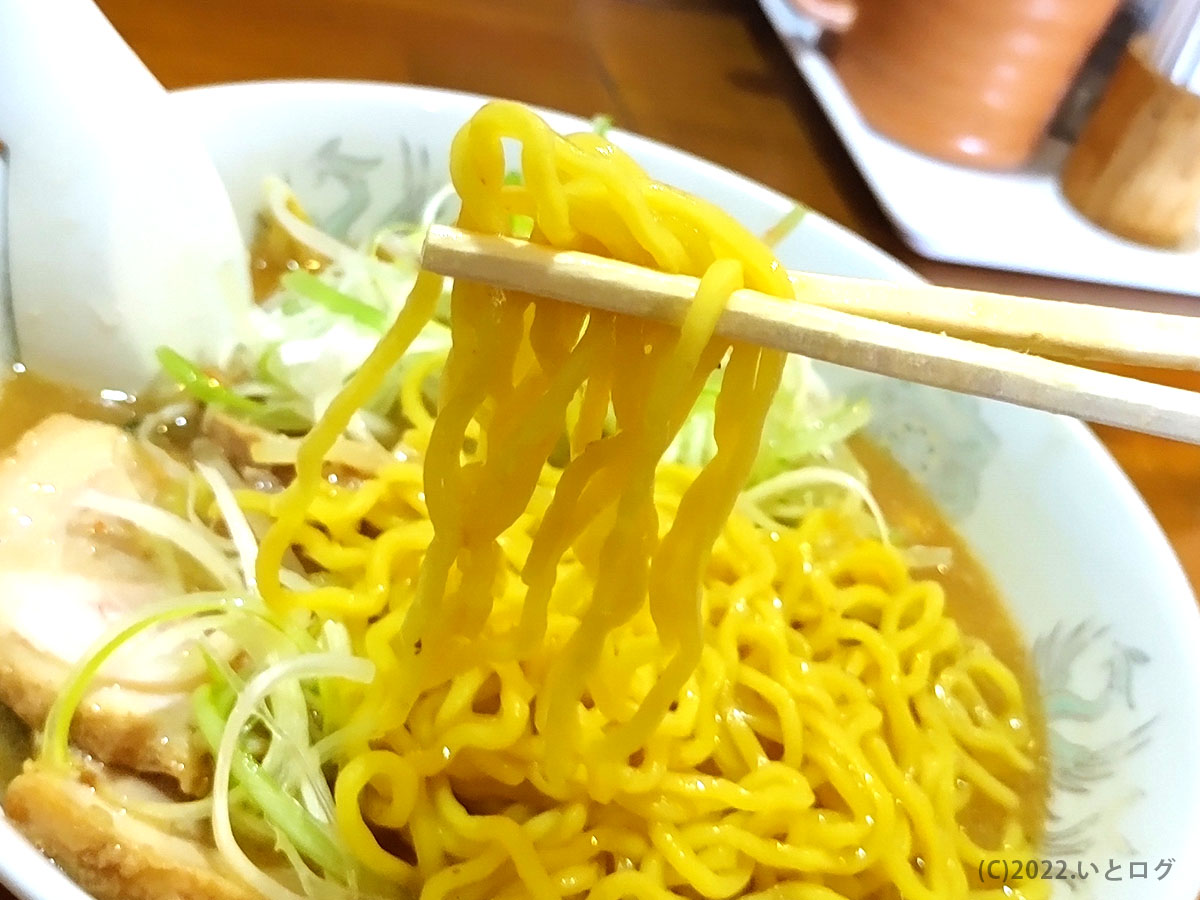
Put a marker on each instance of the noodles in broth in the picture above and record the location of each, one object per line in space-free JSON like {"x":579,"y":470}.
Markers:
{"x":603,"y":677}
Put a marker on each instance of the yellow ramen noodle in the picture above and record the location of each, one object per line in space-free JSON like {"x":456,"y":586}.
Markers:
{"x":595,"y":677}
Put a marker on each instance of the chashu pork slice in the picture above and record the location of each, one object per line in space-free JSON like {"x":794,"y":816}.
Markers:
{"x":67,"y":577}
{"x":110,"y":853}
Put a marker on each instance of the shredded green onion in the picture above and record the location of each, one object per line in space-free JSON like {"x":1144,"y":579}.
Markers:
{"x":246,"y":708}
{"x":201,"y":385}
{"x":236,"y":523}
{"x":785,"y":226}
{"x":191,"y":538}
{"x":310,"y":287}
{"x":57,"y":730}
{"x":756,"y":501}
{"x":310,"y":836}
{"x":522,"y":227}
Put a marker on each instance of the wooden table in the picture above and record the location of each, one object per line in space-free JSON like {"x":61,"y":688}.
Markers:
{"x":705,"y":75}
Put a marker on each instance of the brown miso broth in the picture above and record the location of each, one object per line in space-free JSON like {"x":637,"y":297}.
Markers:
{"x":27,"y":399}
{"x":972,"y":597}
{"x":974,"y":603}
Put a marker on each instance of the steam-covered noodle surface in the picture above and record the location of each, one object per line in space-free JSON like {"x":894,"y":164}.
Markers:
{"x":526,"y":656}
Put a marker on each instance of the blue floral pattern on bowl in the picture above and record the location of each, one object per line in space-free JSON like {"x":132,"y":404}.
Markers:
{"x":1088,"y":686}
{"x":342,"y":187}
{"x":939,"y":437}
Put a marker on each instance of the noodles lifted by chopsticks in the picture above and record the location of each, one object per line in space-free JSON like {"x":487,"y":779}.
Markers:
{"x":598,"y":677}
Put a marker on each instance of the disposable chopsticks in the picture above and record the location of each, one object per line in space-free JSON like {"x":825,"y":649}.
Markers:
{"x":838,"y":320}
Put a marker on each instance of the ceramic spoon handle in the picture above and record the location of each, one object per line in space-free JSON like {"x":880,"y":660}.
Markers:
{"x":120,"y":236}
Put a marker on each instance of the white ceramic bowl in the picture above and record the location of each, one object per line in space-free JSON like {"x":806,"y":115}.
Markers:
{"x":1084,"y":568}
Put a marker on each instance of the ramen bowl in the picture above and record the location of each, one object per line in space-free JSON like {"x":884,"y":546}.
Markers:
{"x":1084,"y":570}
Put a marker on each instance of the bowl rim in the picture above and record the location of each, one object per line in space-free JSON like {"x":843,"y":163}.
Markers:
{"x":32,"y":876}
{"x":1079,"y":432}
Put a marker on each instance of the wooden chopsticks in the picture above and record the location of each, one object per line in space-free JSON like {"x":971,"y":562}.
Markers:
{"x":915,"y":332}
{"x":1044,"y":327}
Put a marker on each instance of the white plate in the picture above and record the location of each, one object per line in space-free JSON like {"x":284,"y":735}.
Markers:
{"x":1085,"y":570}
{"x":1002,"y":220}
